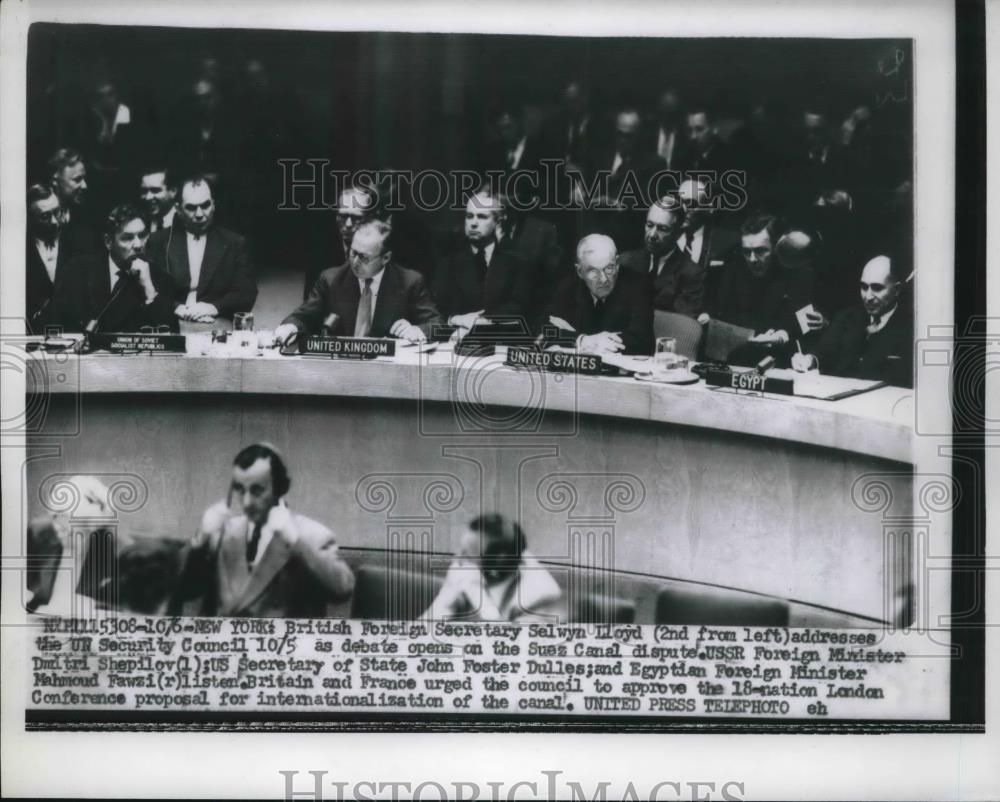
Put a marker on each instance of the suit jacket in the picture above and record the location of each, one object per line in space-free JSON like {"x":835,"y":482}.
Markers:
{"x":537,"y":243}
{"x":628,"y":309}
{"x":402,"y":294}
{"x":506,"y":289}
{"x":227,"y":277}
{"x":286,"y":582}
{"x":846,"y":348}
{"x":85,"y":295}
{"x":680,"y":284}
{"x":38,"y":288}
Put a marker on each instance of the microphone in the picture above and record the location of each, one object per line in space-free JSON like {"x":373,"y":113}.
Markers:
{"x":765,"y":365}
{"x":329,"y":324}
{"x":95,"y":323}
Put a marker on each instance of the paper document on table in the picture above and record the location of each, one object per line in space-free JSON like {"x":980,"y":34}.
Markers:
{"x":631,"y":364}
{"x":823,"y":387}
{"x":722,"y":338}
{"x":803,"y":320}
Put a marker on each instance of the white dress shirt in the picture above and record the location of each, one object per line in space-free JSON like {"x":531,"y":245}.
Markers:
{"x":656,"y":267}
{"x":488,"y":251}
{"x":196,"y":254}
{"x":50,"y":256}
{"x":516,"y":154}
{"x":874,"y":328}
{"x":665,"y":145}
{"x":697,"y":239}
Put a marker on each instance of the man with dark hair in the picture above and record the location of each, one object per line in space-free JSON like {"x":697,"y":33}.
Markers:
{"x":602,"y":309}
{"x":49,"y":248}
{"x":210,"y":266}
{"x":252,"y":556}
{"x":356,"y":206}
{"x":678,"y":282}
{"x":480,"y":279}
{"x":871,"y":340}
{"x":114,"y":289}
{"x":370,"y":294}
{"x":671,"y":139}
{"x":496,"y":578}
{"x":157,"y":192}
{"x":706,"y":149}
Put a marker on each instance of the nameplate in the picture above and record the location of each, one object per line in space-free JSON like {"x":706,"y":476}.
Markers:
{"x":347,"y":347}
{"x":556,"y":361}
{"x":749,"y":381}
{"x":161,"y":343}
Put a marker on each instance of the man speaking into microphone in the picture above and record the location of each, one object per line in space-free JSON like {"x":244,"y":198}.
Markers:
{"x":115,"y":289}
{"x":370,"y":295}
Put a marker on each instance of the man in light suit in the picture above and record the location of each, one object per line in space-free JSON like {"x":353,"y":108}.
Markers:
{"x":371,"y":295}
{"x":210,"y":266}
{"x":252,"y":556}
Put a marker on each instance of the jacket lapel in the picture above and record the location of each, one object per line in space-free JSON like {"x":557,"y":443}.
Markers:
{"x":215,"y":248}
{"x":270,"y":563}
{"x":180,"y":270}
{"x":344,"y":296}
{"x":387,"y":294}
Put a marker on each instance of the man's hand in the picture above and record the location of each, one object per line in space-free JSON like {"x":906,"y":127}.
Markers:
{"x":285,"y":332}
{"x":771,"y":336}
{"x":816,"y":321}
{"x":203,"y":312}
{"x":466,"y":321}
{"x":604,"y":342}
{"x":407,"y":331}
{"x":213,"y":521}
{"x":803,"y":362}
{"x":703,"y":318}
{"x":282,"y":524}
{"x":140,"y":269}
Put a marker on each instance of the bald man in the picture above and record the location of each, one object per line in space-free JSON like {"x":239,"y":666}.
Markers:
{"x":603,"y":309}
{"x":371,"y":295}
{"x":872,"y":340}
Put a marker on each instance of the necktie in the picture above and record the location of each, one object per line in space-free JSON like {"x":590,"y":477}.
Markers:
{"x":510,"y":159}
{"x":363,"y":324}
{"x":873,"y":323}
{"x":122,"y":274}
{"x":481,"y":260}
{"x":252,"y":545}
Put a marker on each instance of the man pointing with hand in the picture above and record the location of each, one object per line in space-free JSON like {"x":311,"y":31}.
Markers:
{"x":256,"y":556}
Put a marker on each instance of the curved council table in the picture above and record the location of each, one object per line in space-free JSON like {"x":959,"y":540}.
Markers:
{"x":773,"y":494}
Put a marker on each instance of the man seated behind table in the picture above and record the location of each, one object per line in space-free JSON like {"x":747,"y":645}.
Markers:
{"x":210,"y":266}
{"x":481,"y":279}
{"x":871,"y":340}
{"x":114,"y":289}
{"x":602,"y":309}
{"x":754,"y":291}
{"x":495,"y":577}
{"x":253,"y":556}
{"x":371,"y":295}
{"x":678,"y":282}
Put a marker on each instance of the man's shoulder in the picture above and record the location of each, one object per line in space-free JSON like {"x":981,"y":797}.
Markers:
{"x":334,"y":274}
{"x":313,"y":530}
{"x":637,"y":260}
{"x":406,"y":276}
{"x":227,"y":236}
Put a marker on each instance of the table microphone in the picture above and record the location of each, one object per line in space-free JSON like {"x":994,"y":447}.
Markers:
{"x":765,"y":364}
{"x":330,"y":323}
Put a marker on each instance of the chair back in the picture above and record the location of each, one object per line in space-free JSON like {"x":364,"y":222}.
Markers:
{"x":686,"y":330}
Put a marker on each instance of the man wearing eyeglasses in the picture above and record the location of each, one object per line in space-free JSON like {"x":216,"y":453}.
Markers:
{"x":871,"y":340}
{"x":602,"y":310}
{"x":371,"y":295}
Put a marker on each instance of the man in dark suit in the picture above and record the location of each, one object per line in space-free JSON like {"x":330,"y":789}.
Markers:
{"x":603,"y":309}
{"x":706,"y":149}
{"x":569,"y":134}
{"x":371,"y":295}
{"x":516,"y":150}
{"x":480,"y":279}
{"x":872,"y":340}
{"x":670,"y":136}
{"x":252,"y":556}
{"x":678,"y":282}
{"x":49,"y":248}
{"x":210,"y":266}
{"x":68,"y":176}
{"x":356,"y":205}
{"x":158,"y":195}
{"x":115,"y":289}
{"x":706,"y":241}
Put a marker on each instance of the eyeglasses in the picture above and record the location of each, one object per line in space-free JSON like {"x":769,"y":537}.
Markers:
{"x":161,"y":329}
{"x":595,"y":273}
{"x":365,"y":258}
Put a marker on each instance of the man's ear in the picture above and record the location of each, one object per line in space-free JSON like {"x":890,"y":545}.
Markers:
{"x":107,"y":242}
